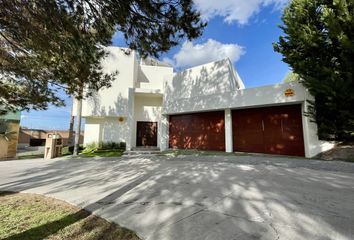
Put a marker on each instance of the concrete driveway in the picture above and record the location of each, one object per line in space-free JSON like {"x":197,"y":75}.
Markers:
{"x":241,"y":197}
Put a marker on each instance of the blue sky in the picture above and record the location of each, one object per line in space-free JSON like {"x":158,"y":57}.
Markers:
{"x":241,"y":30}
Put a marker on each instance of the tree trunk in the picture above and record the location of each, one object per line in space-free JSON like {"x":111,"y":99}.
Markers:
{"x":78,"y":127}
{"x":71,"y":127}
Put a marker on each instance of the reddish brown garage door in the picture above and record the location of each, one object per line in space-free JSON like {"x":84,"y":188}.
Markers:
{"x":204,"y":131}
{"x":275,"y":130}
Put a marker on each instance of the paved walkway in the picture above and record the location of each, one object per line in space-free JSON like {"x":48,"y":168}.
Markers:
{"x":242,"y":197}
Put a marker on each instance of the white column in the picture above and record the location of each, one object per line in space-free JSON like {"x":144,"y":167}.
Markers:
{"x":131,"y":125}
{"x":305,"y":129}
{"x":164,"y":133}
{"x":228,"y":131}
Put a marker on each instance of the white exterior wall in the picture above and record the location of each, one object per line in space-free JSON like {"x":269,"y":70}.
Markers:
{"x":147,"y":109}
{"x":107,"y":129}
{"x":313,"y":145}
{"x":130,"y":120}
{"x":113,"y":101}
{"x":203,"y":81}
{"x":244,"y":98}
{"x":153,"y":77}
{"x":228,"y":131}
{"x":164,"y":132}
{"x":92,"y":131}
{"x":103,"y":109}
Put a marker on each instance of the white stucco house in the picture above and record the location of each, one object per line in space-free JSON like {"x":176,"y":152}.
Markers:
{"x":204,"y":107}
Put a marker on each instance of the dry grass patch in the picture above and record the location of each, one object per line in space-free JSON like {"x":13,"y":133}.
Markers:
{"x":342,"y":151}
{"x":32,"y":216}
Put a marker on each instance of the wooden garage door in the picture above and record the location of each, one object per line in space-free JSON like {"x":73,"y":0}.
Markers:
{"x":204,"y":131}
{"x":274,"y":130}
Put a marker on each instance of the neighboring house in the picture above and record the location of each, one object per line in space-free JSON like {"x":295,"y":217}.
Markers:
{"x":204,"y":107}
{"x":37,"y":137}
{"x":9,"y":128}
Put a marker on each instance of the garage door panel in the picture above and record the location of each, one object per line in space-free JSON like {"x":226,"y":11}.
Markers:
{"x":281,"y":131}
{"x":247,"y":129}
{"x":273,"y":134}
{"x":204,"y":131}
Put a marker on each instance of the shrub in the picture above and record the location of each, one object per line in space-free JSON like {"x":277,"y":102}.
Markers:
{"x":123,"y":145}
{"x":112,"y":145}
{"x":91,"y":147}
{"x":108,"y":145}
{"x":71,"y":148}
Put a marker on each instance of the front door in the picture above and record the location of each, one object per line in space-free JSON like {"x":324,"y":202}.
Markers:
{"x":146,"y":134}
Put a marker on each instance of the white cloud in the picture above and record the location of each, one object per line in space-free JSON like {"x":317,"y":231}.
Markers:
{"x":239,"y":11}
{"x":195,"y":54}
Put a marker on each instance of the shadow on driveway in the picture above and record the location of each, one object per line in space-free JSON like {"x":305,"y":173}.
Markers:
{"x":198,"y":198}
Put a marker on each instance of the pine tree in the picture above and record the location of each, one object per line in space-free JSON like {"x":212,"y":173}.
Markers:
{"x":50,"y":45}
{"x":319,"y":46}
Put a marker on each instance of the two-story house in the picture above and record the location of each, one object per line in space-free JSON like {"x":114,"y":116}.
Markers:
{"x":204,"y":107}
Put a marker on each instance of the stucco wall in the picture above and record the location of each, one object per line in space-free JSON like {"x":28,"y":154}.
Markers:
{"x":313,"y":145}
{"x":92,"y":131}
{"x":113,"y":101}
{"x":214,"y":78}
{"x":147,"y":108}
{"x":251,"y":97}
{"x":153,"y":77}
{"x":107,"y":129}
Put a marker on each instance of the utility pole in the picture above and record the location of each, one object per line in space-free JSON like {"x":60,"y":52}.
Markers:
{"x":78,"y":127}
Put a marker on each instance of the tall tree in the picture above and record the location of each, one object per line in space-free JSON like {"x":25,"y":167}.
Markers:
{"x":291,"y":77}
{"x":319,"y":46}
{"x":47,"y":45}
{"x":51,"y":44}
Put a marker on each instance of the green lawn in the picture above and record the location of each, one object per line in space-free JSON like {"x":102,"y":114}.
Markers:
{"x":31,"y":216}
